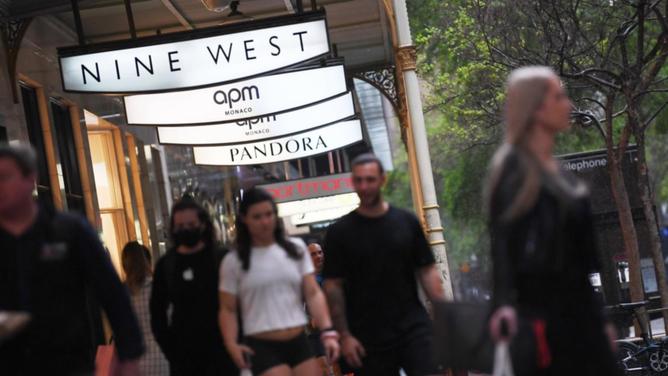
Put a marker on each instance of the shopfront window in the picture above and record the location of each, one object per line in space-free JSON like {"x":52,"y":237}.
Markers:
{"x":36,"y":137}
{"x":108,"y":184}
{"x":69,"y":167}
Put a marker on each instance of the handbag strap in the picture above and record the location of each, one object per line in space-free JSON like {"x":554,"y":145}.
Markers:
{"x":503,"y":365}
{"x":542,"y":347}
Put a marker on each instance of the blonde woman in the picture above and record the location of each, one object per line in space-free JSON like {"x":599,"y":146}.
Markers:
{"x":542,"y":234}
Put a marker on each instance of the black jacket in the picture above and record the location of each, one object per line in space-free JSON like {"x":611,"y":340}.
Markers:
{"x":184,"y":314}
{"x":542,"y":261}
{"x":60,"y":264}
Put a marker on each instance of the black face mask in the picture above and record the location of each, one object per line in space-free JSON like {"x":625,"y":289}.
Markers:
{"x":188,"y":237}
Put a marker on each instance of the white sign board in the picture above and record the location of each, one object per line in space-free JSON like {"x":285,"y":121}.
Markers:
{"x":318,"y":209}
{"x":242,"y":100}
{"x":306,"y":144}
{"x":271,"y":126}
{"x":200,"y":60}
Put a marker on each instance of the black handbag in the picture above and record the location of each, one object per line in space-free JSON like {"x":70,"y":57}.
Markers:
{"x":462,"y":341}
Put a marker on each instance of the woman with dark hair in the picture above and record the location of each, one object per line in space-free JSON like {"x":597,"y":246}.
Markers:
{"x":138,"y":279}
{"x":542,"y":235}
{"x":269,"y":277}
{"x":184,"y":301}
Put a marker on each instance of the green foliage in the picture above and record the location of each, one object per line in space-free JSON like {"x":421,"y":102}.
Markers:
{"x":397,"y":190}
{"x":463,"y":86}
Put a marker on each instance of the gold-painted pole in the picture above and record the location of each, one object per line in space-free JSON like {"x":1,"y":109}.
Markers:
{"x":406,"y":62}
{"x":405,"y":123}
{"x":125,"y":185}
{"x":87,"y":191}
{"x":139,"y":193}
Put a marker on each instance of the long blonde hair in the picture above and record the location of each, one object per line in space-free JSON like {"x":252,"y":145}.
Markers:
{"x":526,"y":89}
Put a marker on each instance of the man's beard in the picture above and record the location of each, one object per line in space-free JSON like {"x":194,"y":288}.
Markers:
{"x":373,"y":202}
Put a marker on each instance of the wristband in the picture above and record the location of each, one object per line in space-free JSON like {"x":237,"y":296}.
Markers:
{"x":331,"y":333}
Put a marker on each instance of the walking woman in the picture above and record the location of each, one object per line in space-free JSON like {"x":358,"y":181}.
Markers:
{"x":269,"y":277}
{"x":543,"y":245}
{"x":138,"y":279}
{"x":184,"y":301}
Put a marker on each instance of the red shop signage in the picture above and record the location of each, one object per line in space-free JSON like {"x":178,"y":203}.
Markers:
{"x":303,"y":189}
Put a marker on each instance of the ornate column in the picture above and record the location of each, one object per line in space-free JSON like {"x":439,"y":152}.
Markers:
{"x":11,"y":33}
{"x":417,"y":138}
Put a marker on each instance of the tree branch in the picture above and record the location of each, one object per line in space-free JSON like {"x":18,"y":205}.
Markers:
{"x":589,"y":74}
{"x":638,"y":95}
{"x":640,"y":48}
{"x":651,"y":119}
{"x":659,"y":15}
{"x":589,"y":118}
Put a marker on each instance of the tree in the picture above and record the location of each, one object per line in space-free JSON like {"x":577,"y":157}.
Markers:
{"x":611,"y":54}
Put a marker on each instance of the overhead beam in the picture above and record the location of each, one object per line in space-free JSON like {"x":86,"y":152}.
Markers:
{"x":288,"y":6}
{"x":77,"y":22}
{"x":178,"y":14}
{"x":21,"y":9}
{"x":131,"y":19}
{"x":179,"y":27}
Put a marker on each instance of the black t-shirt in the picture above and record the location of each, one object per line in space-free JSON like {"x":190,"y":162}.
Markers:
{"x":187,"y":287}
{"x":50,"y":271}
{"x":196,"y":297}
{"x":377,"y":258}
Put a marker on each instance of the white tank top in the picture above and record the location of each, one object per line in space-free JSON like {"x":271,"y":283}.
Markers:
{"x":270,"y":292}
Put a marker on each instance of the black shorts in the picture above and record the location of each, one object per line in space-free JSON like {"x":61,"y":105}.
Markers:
{"x":269,"y":354}
{"x":413,"y":354}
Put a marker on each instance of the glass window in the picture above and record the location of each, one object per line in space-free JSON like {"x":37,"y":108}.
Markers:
{"x":105,"y":169}
{"x":109,"y":191}
{"x":36,"y":137}
{"x":69,"y":165}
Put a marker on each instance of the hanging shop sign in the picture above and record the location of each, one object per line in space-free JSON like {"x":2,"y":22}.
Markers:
{"x":265,"y":127}
{"x":195,"y":58}
{"x":304,"y":189}
{"x":306,"y":144}
{"x":318,"y":209}
{"x":242,"y":100}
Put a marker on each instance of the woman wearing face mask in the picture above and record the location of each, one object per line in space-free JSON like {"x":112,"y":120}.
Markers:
{"x":542,"y":235}
{"x":269,"y":277}
{"x":184,"y":300}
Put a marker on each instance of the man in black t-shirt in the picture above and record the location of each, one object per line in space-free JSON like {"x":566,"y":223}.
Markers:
{"x":50,"y":263}
{"x":375,"y":257}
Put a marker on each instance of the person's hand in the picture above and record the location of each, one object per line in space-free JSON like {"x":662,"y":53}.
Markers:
{"x":239,"y":354}
{"x":611,"y":333}
{"x":507,"y":315}
{"x":332,"y":349}
{"x":128,"y":368}
{"x":352,"y":350}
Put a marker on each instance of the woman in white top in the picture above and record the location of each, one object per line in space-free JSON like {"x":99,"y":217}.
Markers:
{"x":269,"y":277}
